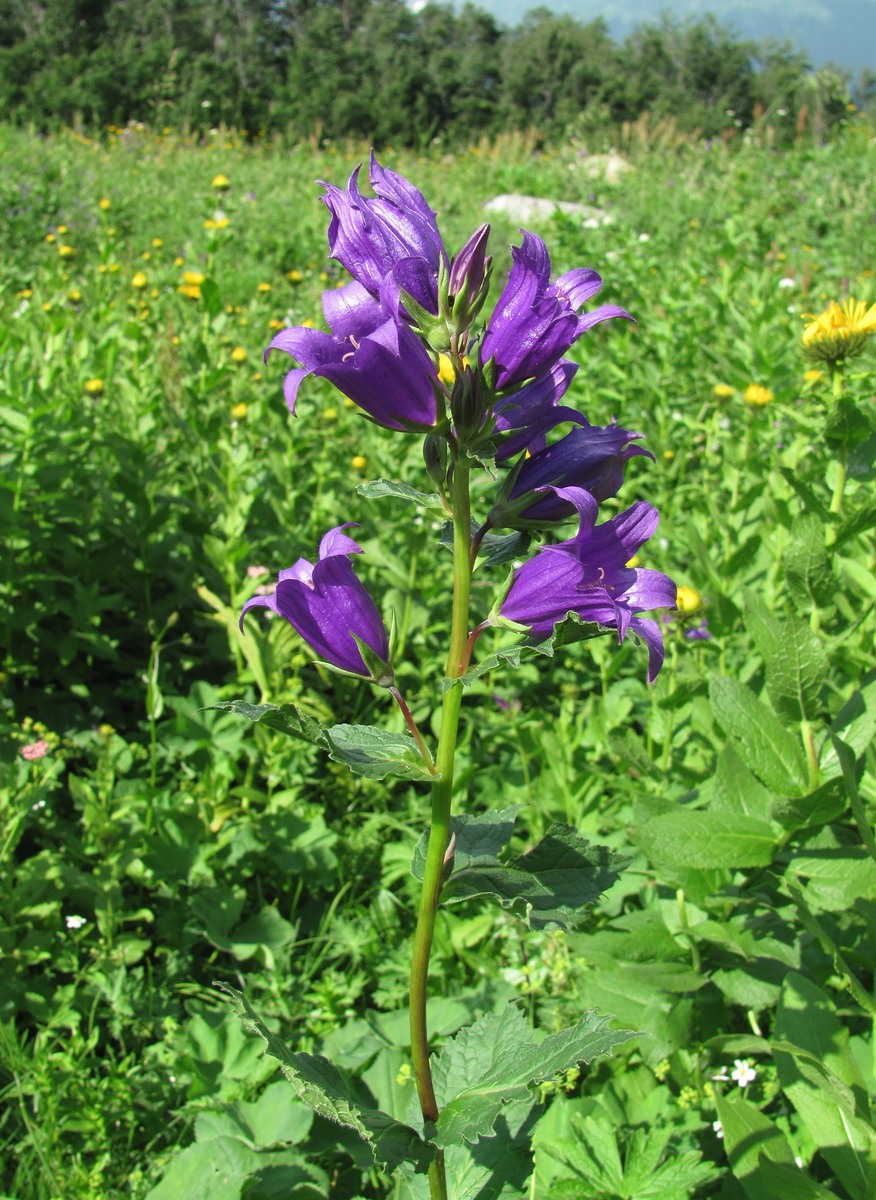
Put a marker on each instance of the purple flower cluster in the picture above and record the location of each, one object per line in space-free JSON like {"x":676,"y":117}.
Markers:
{"x":403,"y":344}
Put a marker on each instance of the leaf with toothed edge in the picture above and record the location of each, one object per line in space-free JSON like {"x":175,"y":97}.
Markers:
{"x":322,"y":1087}
{"x":497,"y":1061}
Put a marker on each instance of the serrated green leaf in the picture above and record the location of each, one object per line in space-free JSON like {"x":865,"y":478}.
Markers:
{"x":760,"y":1156}
{"x":772,"y":752}
{"x":287,"y":718}
{"x":497,"y":1061}
{"x":808,"y":566}
{"x":707,"y":840}
{"x":565,"y":633}
{"x":855,"y":723}
{"x":549,"y":886}
{"x":497,"y":1171}
{"x":322,"y":1087}
{"x":796,"y":664}
{"x":376,"y":489}
{"x":736,"y":790}
{"x":478,"y":839}
{"x":818,"y":1074}
{"x":377,"y":753}
{"x":858,"y":521}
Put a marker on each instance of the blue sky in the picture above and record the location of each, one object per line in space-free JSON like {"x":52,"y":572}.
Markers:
{"x":838,"y":31}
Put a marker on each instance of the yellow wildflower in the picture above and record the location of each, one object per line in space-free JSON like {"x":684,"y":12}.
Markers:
{"x":178,"y":261}
{"x":841,"y":331}
{"x":62,"y":229}
{"x":139,"y":281}
{"x":74,"y":295}
{"x":239,"y":411}
{"x":275,"y":324}
{"x":66,"y":251}
{"x":669,"y":455}
{"x":813,"y":376}
{"x":221,"y":182}
{"x":104,"y":204}
{"x":330,"y":414}
{"x":294,"y":276}
{"x":359,"y":462}
{"x":193,"y":278}
{"x":757,"y":396}
{"x":687,"y":600}
{"x":238,"y":354}
{"x":723,"y":391}
{"x":50,"y":237}
{"x":263,"y":287}
{"x":191,"y":290}
{"x":157,"y":243}
{"x":93,"y":387}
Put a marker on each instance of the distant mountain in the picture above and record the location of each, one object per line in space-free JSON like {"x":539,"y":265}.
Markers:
{"x":842,"y":32}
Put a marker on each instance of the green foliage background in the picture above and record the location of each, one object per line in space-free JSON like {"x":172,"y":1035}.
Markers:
{"x":161,"y":844}
{"x":375,"y":69}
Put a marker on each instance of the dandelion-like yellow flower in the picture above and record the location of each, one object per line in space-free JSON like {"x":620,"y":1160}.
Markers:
{"x":841,"y":331}
{"x":74,"y":295}
{"x":104,"y":204}
{"x":139,"y":281}
{"x":62,"y":229}
{"x":93,"y":387}
{"x":757,"y":396}
{"x":190,"y":290}
{"x":687,"y":600}
{"x":157,"y":243}
{"x":50,"y":237}
{"x":221,"y":182}
{"x":263,"y":287}
{"x":239,"y":411}
{"x":193,"y":278}
{"x":359,"y":462}
{"x":723,"y":391}
{"x":294,"y":276}
{"x":330,"y":414}
{"x":66,"y":251}
{"x":238,"y":354}
{"x":275,"y":324}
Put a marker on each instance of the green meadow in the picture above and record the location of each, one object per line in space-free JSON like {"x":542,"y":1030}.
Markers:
{"x":153,"y":846}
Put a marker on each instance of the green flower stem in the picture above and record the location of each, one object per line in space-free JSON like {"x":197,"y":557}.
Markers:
{"x":439,"y":833}
{"x":842,"y":460}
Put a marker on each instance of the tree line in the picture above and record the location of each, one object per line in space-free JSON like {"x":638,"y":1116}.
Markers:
{"x":377,"y":69}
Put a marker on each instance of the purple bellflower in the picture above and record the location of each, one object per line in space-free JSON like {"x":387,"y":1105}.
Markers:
{"x":588,"y":575}
{"x":394,"y":233}
{"x":536,"y":321}
{"x":370,"y":356}
{"x":527,"y":414}
{"x":590,"y":457}
{"x":329,"y":607}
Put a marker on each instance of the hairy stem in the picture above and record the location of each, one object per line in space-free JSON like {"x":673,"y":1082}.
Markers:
{"x":439,"y":832}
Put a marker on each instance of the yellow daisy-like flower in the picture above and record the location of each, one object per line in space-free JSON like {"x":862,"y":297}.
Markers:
{"x":221,"y":182}
{"x":50,"y":237}
{"x":757,"y":396}
{"x":62,"y":229}
{"x":157,"y":243}
{"x":687,"y":600}
{"x":723,"y":391}
{"x":193,"y":278}
{"x":66,"y":251}
{"x":191,"y":290}
{"x":841,"y":331}
{"x":238,"y":354}
{"x":275,"y":324}
{"x":239,"y":411}
{"x":93,"y":387}
{"x":359,"y":462}
{"x":330,"y":414}
{"x":294,"y":276}
{"x":104,"y":204}
{"x":139,"y":281}
{"x":263,"y":287}
{"x":74,"y":295}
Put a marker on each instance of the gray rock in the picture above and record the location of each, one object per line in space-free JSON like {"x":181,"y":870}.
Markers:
{"x":534,"y":210}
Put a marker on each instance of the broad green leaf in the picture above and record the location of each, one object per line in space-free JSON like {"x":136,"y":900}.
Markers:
{"x":497,"y":1061}
{"x":818,"y":1075}
{"x":287,"y":718}
{"x":692,"y":838}
{"x":855,"y":723}
{"x":566,"y":632}
{"x":796,"y":664}
{"x":760,"y":1156}
{"x":549,"y":886}
{"x":772,"y":752}
{"x":377,"y":753}
{"x":736,"y":790}
{"x":376,"y":489}
{"x":836,"y":876}
{"x":857,"y":521}
{"x":807,"y":565}
{"x":478,"y":839}
{"x":497,"y":1170}
{"x":322,"y":1087}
